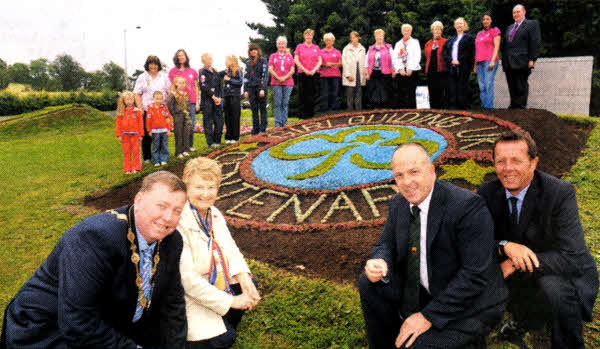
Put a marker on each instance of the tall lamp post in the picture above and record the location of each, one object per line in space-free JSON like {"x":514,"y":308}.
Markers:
{"x":125,"y":54}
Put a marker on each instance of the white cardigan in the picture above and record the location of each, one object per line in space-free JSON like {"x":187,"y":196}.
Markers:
{"x":413,"y":55}
{"x":350,"y":56}
{"x":205,"y":304}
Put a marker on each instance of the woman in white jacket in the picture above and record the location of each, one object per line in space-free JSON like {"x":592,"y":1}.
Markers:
{"x":354,"y":75}
{"x":216,"y":279}
{"x":407,"y":58}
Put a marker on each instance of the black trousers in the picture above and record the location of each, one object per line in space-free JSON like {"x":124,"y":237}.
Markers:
{"x":231,"y":320}
{"x":3,"y":344}
{"x":547,"y":300}
{"x":354,"y":97}
{"x":330,"y":88}
{"x":518,"y":86}
{"x":406,"y":91}
{"x":307,"y":87}
{"x":212,"y":121}
{"x":379,"y":88}
{"x":146,"y":143}
{"x":232,"y":117}
{"x":458,"y":87}
{"x":437,"y":84}
{"x":182,"y":128}
{"x":225,"y":340}
{"x":381,"y":302}
{"x":258,"y":105}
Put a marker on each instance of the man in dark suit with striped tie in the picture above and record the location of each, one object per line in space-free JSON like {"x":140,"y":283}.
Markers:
{"x":551,"y":276}
{"x":432,"y":280}
{"x":112,"y":281}
{"x":520,"y":46}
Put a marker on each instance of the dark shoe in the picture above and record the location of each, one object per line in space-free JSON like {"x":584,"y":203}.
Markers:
{"x":512,"y":331}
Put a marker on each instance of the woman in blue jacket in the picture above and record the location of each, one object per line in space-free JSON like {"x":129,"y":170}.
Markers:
{"x":255,"y":87}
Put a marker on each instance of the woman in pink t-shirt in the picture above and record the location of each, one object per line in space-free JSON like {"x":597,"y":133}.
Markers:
{"x":330,"y":74}
{"x":182,"y":68}
{"x":281,"y":68}
{"x":487,"y":44}
{"x":308,"y":60}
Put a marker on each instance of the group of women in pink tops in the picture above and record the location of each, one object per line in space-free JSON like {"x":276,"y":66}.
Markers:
{"x":390,"y":74}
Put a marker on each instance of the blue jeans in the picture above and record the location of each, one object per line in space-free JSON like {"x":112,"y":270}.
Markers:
{"x":192,"y":107}
{"x":330,"y":87}
{"x":486,"y":78}
{"x":281,"y":98}
{"x":160,"y":147}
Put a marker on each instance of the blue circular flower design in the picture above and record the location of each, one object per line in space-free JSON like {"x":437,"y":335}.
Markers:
{"x":340,"y":157}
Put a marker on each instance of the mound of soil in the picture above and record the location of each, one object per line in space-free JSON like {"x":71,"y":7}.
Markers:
{"x":339,"y":254}
{"x":559,"y":141}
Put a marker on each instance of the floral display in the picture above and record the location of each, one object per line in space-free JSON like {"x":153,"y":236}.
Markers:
{"x":334,"y":171}
{"x":340,"y":157}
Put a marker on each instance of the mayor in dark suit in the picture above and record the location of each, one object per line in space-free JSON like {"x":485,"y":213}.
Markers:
{"x":85,"y":294}
{"x":520,"y":46}
{"x":551,"y":276}
{"x":432,"y":280}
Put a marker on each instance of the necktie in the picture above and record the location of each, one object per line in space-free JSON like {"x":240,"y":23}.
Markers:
{"x":412,"y":281}
{"x":512,"y":32}
{"x":514,"y":214}
{"x":145,"y":273}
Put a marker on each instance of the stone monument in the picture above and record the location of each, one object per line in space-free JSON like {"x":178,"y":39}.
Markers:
{"x":560,"y":84}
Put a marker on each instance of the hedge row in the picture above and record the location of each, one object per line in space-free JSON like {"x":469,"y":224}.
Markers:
{"x":13,"y":104}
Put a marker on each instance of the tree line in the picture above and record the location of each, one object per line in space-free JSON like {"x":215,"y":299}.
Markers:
{"x":64,"y":73}
{"x":569,"y":28}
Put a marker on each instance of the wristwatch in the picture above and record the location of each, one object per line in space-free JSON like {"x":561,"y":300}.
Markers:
{"x":501,"y":245}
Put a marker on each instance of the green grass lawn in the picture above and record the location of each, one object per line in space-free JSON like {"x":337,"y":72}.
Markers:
{"x":48,"y":164}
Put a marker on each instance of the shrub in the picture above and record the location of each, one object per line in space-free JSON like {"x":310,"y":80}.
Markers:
{"x":18,"y":102}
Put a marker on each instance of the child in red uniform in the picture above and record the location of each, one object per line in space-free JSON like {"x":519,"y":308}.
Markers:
{"x":159,"y":125}
{"x":129,"y":130}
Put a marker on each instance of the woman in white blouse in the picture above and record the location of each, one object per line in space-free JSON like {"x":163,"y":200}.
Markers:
{"x":354,"y":75}
{"x":406,"y":59}
{"x":216,"y":279}
{"x":153,"y":79}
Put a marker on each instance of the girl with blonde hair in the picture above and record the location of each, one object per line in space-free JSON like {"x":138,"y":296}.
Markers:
{"x":178,"y":106}
{"x":129,"y":131}
{"x":233,"y":78}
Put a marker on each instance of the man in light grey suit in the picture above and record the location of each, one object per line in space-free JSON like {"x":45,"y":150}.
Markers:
{"x":520,"y":46}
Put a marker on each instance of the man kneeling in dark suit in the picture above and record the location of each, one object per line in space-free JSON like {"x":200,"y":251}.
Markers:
{"x":432,"y":280}
{"x":112,"y":281}
{"x":549,"y":271}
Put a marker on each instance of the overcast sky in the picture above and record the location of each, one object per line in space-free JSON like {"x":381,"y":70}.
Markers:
{"x":92,"y":31}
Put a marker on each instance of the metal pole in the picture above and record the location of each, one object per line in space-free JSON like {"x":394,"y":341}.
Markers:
{"x":125,"y":55}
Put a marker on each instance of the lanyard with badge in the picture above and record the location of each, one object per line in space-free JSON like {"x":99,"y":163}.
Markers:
{"x":282,"y":59}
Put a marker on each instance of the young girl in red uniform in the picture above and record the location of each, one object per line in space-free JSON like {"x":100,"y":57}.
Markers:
{"x":129,"y":131}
